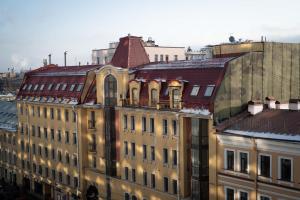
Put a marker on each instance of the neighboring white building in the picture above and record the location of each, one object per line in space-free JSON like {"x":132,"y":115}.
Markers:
{"x":155,"y":53}
{"x":203,"y":53}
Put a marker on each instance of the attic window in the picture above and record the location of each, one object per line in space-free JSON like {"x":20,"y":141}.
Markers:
{"x":50,"y":86}
{"x":24,"y":87}
{"x":64,"y":87}
{"x":57,"y":86}
{"x":195,"y":90}
{"x":166,"y":93}
{"x":29,"y":87}
{"x":42,"y":87}
{"x":35,"y":87}
{"x":72,"y":87}
{"x":209,"y":90}
{"x":79,"y":88}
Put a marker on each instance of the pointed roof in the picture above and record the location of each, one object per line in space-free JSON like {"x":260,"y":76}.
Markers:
{"x":130,"y":53}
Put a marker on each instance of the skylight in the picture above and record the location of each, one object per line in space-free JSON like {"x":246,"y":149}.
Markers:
{"x":24,"y":87}
{"x":64,"y":87}
{"x":50,"y":86}
{"x":57,"y":86}
{"x":79,"y":88}
{"x":195,"y":90}
{"x":209,"y":90}
{"x":29,"y":87}
{"x":72,"y":87}
{"x":42,"y":86}
{"x":36,"y":87}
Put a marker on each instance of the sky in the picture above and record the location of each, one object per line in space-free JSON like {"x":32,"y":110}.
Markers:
{"x":31,"y":29}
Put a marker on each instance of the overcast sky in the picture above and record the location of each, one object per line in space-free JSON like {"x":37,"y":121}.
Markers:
{"x":31,"y":29}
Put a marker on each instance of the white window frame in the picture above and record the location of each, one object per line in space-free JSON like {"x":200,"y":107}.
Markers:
{"x":259,"y":163}
{"x":225,"y":159}
{"x":279,"y":167}
{"x":239,"y":160}
{"x":225,"y":191}
{"x":239,"y":193}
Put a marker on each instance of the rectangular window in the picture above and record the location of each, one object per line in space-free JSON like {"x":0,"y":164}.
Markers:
{"x":38,"y":111}
{"x":45,"y":112}
{"x":39,"y":132}
{"x":145,"y":181}
{"x":152,"y":129}
{"x":133,"y":149}
{"x":58,"y":114}
{"x":152,"y":180}
{"x":33,"y":149}
{"x":45,"y":133}
{"x":40,"y":150}
{"x":209,"y":90}
{"x":165,"y":127}
{"x":46,"y":152}
{"x":152,"y":153}
{"x":243,"y":162}
{"x":243,"y":195}
{"x":165,"y":156}
{"x":161,"y":57}
{"x":75,"y":160}
{"x":265,"y":165}
{"x":74,"y":138}
{"x":195,"y":90}
{"x":132,"y":123}
{"x":285,"y":169}
{"x":79,"y":87}
{"x":174,"y":127}
{"x":175,"y":57}
{"x":72,"y":87}
{"x":229,"y":162}
{"x":64,"y":87}
{"x":50,"y":86}
{"x":59,"y":156}
{"x":126,"y":173}
{"x":229,"y":194}
{"x":75,"y":182}
{"x":46,"y":171}
{"x":144,"y":126}
{"x":74,"y":116}
{"x":125,"y":122}
{"x":166,"y":184}
{"x":53,"y":154}
{"x":33,"y":131}
{"x":174,"y":186}
{"x":32,"y":111}
{"x":94,"y":162}
{"x":68,"y":179}
{"x":174,"y":154}
{"x":126,"y":148}
{"x":66,"y":115}
{"x":67,"y":158}
{"x":52,"y":134}
{"x":264,"y":197}
{"x":67,"y":139}
{"x":155,"y":58}
{"x":59,"y":135}
{"x":57,"y":86}
{"x":133,"y":177}
{"x":51,"y":113}
{"x":53,"y":174}
{"x":144,"y":152}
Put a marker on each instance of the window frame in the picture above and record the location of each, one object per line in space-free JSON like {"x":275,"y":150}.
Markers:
{"x":259,"y":164}
{"x":225,"y":192}
{"x":239,"y":161}
{"x":195,"y":90}
{"x":226,"y":161}
{"x":279,"y":174}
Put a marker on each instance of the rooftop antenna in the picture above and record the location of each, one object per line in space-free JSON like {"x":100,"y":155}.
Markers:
{"x":231,"y":39}
{"x":65,"y":55}
{"x":49,"y":56}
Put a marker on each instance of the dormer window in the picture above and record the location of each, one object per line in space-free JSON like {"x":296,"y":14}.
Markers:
{"x":134,"y":95}
{"x":57,"y":86}
{"x":79,"y":88}
{"x":50,"y":86}
{"x":72,"y":87}
{"x":35,"y":87}
{"x":176,"y":98}
{"x":209,"y":90}
{"x":64,"y":87}
{"x":195,"y":90}
{"x":42,"y":86}
{"x":154,"y":97}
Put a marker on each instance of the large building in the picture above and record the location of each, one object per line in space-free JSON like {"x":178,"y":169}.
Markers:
{"x":154,"y":52}
{"x":134,"y":129}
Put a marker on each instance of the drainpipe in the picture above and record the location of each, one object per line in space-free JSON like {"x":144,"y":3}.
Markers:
{"x":28,"y":138}
{"x":77,"y":149}
{"x":178,"y":156}
{"x":256,"y":167}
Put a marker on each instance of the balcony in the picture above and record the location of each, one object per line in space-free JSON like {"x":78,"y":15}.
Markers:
{"x":91,"y":124}
{"x":92,"y":147}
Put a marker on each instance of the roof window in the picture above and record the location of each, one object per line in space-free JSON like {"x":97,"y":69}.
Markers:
{"x":72,"y":87}
{"x":29,"y":87}
{"x":57,"y":86}
{"x":64,"y":87}
{"x":42,"y":86}
{"x":195,"y":90}
{"x":24,"y":87}
{"x":209,"y":90}
{"x":79,"y":88}
{"x":36,"y":87}
{"x":50,"y":86}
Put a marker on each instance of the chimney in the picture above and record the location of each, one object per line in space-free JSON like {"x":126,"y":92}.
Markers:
{"x":65,"y":56}
{"x":271,"y":102}
{"x":255,"y":107}
{"x":49,"y":58}
{"x":294,"y":104}
{"x":282,"y":106}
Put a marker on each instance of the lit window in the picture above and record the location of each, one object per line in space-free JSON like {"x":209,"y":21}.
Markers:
{"x":64,"y":87}
{"x":57,"y":86}
{"x":35,"y":87}
{"x":42,"y":86}
{"x":72,"y":87}
{"x":50,"y":86}
{"x":79,"y":88}
{"x":209,"y":90}
{"x":24,"y":87}
{"x":195,"y":90}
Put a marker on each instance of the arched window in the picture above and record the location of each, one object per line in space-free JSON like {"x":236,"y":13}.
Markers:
{"x":134,"y":96}
{"x":110,"y":87}
{"x":154,"y":97}
{"x":176,"y":98}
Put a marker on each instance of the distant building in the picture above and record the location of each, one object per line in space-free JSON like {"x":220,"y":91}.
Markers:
{"x":203,"y":53}
{"x":155,"y":52}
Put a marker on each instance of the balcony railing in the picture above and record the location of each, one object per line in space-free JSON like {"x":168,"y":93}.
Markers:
{"x":92,"y":147}
{"x":91,"y":124}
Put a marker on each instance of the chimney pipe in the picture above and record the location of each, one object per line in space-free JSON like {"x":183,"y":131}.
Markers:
{"x":255,"y":107}
{"x":294,"y":104}
{"x":271,"y":102}
{"x":65,"y":55}
{"x":49,"y":58}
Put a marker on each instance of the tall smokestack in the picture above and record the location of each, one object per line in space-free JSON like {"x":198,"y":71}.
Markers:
{"x":49,"y":58}
{"x":65,"y":53}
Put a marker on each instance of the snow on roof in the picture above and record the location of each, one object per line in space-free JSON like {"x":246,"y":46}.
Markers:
{"x":265,"y":135}
{"x":195,"y":111}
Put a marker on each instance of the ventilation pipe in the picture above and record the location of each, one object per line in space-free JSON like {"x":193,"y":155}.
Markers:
{"x":255,"y":107}
{"x":271,"y":102}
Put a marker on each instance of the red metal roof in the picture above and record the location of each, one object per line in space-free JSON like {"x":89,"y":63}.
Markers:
{"x":64,"y":77}
{"x":130,"y":53}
